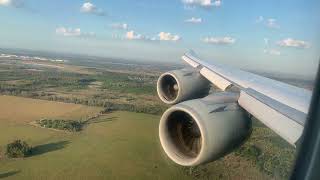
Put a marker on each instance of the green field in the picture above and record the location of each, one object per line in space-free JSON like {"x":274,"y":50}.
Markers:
{"x":124,"y":148}
{"x":119,"y":145}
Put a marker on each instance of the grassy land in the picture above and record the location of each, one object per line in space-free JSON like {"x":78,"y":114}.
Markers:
{"x":124,"y":90}
{"x":120,"y":145}
{"x":17,"y":109}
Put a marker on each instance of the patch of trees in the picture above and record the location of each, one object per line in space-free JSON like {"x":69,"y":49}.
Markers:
{"x":97,"y":101}
{"x":32,"y":85}
{"x":85,"y":81}
{"x":67,"y":125}
{"x":34,"y":81}
{"x":277,"y":164}
{"x":198,"y":172}
{"x":18,"y":149}
{"x":150,"y":109}
{"x":110,"y":106}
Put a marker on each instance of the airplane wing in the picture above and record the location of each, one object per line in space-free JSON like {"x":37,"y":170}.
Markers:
{"x":281,"y":107}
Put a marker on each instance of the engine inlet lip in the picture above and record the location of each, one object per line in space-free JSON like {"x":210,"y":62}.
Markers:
{"x":168,"y":145}
{"x":160,"y":91}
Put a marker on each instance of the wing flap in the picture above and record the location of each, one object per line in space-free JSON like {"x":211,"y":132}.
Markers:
{"x":284,"y":126}
{"x":190,"y":61}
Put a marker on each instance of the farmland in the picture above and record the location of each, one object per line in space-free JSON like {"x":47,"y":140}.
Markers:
{"x":123,"y":146}
{"x":122,"y":143}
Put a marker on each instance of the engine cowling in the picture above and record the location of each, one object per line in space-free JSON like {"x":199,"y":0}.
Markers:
{"x":180,"y":85}
{"x":202,"y":130}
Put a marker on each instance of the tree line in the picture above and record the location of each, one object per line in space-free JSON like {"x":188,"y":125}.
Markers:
{"x":96,"y":101}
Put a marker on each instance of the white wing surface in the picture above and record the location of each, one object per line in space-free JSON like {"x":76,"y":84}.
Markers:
{"x":280,"y":106}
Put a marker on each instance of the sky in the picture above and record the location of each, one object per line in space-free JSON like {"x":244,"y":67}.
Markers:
{"x":271,"y":35}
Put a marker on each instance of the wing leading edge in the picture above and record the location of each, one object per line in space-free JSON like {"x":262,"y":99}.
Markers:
{"x":281,"y":107}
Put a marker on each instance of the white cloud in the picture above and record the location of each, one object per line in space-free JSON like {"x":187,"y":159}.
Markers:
{"x":194,"y":20}
{"x":68,"y":32}
{"x":123,"y":26}
{"x":12,"y":3}
{"x":90,"y":8}
{"x":217,"y":3}
{"x":5,"y":2}
{"x":164,"y":36}
{"x":73,"y":32}
{"x":131,"y":35}
{"x":289,"y":42}
{"x":202,"y":3}
{"x":272,"y":52}
{"x":272,"y":23}
{"x":219,"y":40}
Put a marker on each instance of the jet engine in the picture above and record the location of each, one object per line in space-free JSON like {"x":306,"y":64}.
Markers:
{"x":180,"y":85}
{"x":198,"y":131}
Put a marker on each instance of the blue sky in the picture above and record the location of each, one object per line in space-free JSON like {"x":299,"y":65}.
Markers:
{"x":270,"y":35}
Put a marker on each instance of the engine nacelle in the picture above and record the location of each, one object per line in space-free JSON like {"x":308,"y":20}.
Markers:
{"x":180,"y":85}
{"x":202,"y":130}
